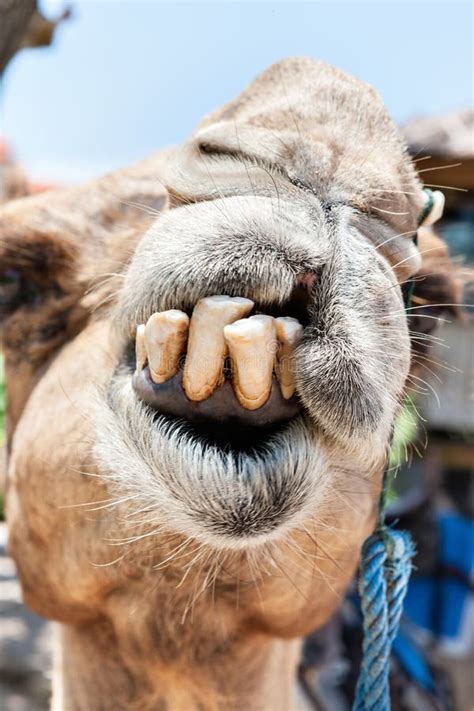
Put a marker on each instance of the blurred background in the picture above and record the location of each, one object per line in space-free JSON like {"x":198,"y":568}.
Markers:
{"x":87,"y":87}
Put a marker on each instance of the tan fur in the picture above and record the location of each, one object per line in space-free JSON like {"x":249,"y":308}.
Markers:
{"x":157,"y":611}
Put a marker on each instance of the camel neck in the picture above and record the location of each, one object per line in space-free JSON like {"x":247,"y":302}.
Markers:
{"x":92,"y":671}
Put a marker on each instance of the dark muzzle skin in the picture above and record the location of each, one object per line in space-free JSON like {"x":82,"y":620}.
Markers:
{"x":220,"y":409}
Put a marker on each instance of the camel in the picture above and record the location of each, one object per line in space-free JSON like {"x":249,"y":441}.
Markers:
{"x":205,"y":353}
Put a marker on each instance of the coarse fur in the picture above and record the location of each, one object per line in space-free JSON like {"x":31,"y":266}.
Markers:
{"x":184,"y":574}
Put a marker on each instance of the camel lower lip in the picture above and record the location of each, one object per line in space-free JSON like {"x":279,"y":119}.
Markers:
{"x":221,"y":407}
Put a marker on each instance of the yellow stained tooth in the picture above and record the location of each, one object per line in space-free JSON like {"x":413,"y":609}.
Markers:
{"x":165,"y":339}
{"x":289,"y":332}
{"x":203,"y":370}
{"x":252,"y":346}
{"x":140,"y":348}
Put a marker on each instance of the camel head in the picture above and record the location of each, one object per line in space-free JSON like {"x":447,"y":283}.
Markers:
{"x":205,"y":354}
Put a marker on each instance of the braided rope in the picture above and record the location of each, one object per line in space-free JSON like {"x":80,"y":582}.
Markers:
{"x":372,"y":685}
{"x":384,"y":573}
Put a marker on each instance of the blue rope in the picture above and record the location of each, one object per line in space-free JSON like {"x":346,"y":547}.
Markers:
{"x":384,"y":573}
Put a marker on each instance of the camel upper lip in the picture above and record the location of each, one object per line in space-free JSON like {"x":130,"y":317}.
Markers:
{"x":220,"y":409}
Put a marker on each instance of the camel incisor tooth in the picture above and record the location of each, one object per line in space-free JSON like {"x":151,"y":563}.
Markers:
{"x":204,"y":367}
{"x":166,"y":333}
{"x":252,"y":345}
{"x":140,"y":348}
{"x":289,"y":332}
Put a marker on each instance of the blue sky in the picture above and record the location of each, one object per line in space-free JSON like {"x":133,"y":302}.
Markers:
{"x":127,"y":77}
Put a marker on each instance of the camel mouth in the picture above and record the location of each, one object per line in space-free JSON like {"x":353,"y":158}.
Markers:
{"x":226,"y":372}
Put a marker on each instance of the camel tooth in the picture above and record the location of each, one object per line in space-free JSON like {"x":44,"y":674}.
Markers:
{"x":140,"y":348}
{"x":204,"y":367}
{"x":289,"y":332}
{"x":252,"y":345}
{"x":165,"y":338}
